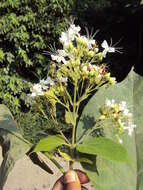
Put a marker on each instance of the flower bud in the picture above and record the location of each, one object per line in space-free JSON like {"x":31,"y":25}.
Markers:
{"x":102,"y":117}
{"x":91,"y":54}
{"x":99,"y":57}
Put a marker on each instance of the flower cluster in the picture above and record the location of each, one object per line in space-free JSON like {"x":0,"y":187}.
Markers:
{"x":80,"y":57}
{"x":76,"y":45}
{"x":97,"y":74}
{"x":78,"y":65}
{"x":120,"y":113}
{"x":78,"y":61}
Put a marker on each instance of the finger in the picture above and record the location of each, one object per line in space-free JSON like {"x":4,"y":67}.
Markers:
{"x":58,"y":185}
{"x":71,"y":181}
{"x":83,"y":178}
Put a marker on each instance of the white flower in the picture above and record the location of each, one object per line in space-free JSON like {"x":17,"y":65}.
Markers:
{"x":63,"y":79}
{"x":107,"y":48}
{"x":58,"y":58}
{"x":130,"y":128}
{"x":95,"y":67}
{"x":61,"y":52}
{"x":48,"y":81}
{"x":73,"y":30}
{"x":89,"y":42}
{"x":109,"y":103}
{"x":126,"y":112}
{"x":64,"y":39}
{"x":67,"y":37}
{"x":36,"y":90}
{"x":122,"y":105}
{"x":123,"y":108}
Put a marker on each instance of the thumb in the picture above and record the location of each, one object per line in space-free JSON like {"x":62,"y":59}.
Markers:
{"x":71,"y":181}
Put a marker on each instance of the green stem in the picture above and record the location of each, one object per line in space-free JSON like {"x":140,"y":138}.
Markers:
{"x":88,"y":133}
{"x":44,"y":114}
{"x":55,"y":162}
{"x":59,"y":101}
{"x":73,"y":136}
{"x":82,"y":84}
{"x":70,"y":100}
{"x":75,"y":112}
{"x":65,"y":137}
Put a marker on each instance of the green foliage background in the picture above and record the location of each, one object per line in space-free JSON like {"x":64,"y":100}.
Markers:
{"x":28,"y":27}
{"x":26,"y":30}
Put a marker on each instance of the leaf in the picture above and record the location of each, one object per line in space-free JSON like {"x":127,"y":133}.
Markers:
{"x":69,"y":117}
{"x":13,"y":145}
{"x":111,"y":175}
{"x":39,"y":159}
{"x":49,"y":143}
{"x":1,"y":55}
{"x":65,"y":155}
{"x":84,"y":159}
{"x":106,"y":148}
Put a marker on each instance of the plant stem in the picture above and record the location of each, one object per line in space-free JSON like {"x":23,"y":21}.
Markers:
{"x":70,"y":100}
{"x":65,"y":137}
{"x":75,"y":112}
{"x":88,"y":133}
{"x":55,"y":162}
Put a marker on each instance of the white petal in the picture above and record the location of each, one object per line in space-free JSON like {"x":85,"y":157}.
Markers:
{"x":104,"y":53}
{"x":107,"y":102}
{"x":126,"y":112}
{"x":53,"y":57}
{"x":111,"y":49}
{"x":105,"y":44}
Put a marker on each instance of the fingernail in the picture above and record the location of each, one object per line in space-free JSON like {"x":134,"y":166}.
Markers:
{"x":70,"y":177}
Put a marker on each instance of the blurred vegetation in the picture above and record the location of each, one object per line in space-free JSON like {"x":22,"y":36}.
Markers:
{"x":27,"y":28}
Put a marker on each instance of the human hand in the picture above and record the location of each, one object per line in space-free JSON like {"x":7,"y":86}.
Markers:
{"x":71,"y":180}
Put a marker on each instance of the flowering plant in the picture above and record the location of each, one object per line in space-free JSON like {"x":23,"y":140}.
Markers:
{"x":76,"y":72}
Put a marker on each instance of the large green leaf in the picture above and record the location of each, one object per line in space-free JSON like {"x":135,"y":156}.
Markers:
{"x":104,"y":147}
{"x":111,"y":175}
{"x":13,"y":145}
{"x":49,"y":143}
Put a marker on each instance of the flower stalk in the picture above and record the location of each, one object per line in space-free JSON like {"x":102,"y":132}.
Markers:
{"x":75,"y":73}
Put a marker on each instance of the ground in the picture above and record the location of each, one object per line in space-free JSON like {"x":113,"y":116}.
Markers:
{"x":27,"y":176}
